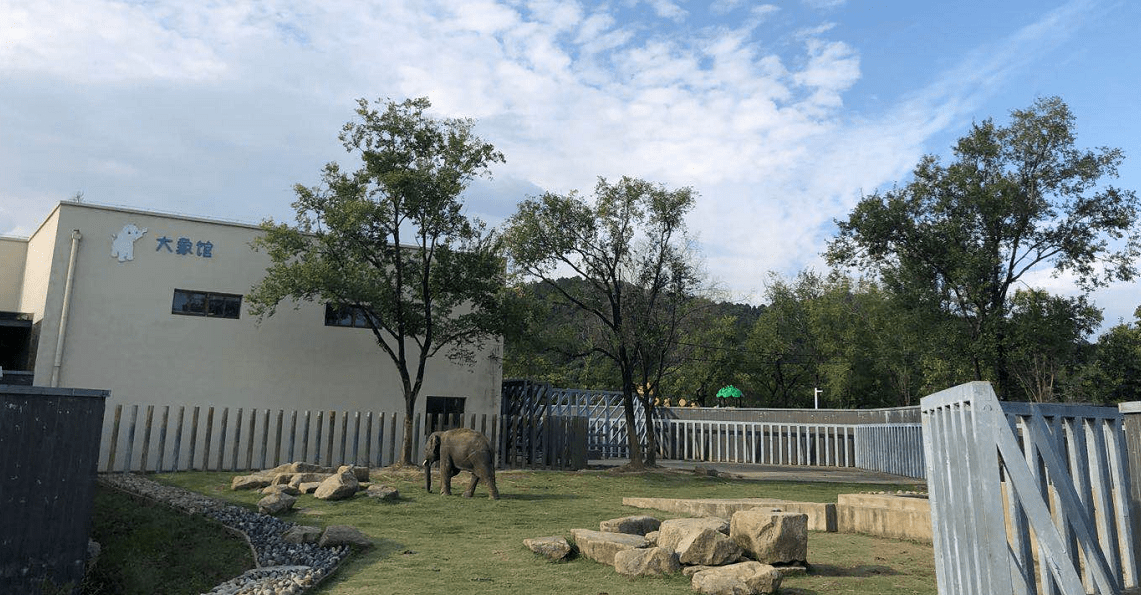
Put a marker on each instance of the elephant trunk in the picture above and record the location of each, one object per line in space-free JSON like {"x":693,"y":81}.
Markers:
{"x":428,"y":475}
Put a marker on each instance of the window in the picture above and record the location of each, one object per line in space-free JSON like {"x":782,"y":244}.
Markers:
{"x":205,"y":303}
{"x":345,"y":316}
{"x":444,"y":412}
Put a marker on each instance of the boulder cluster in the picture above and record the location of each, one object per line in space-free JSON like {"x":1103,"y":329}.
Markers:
{"x":747,"y":554}
{"x":284,"y":483}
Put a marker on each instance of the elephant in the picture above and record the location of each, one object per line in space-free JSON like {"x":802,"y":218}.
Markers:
{"x":460,"y":449}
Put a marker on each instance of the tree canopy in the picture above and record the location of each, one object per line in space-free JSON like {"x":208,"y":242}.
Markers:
{"x":637,"y":277}
{"x":1014,"y":200}
{"x":390,"y":243}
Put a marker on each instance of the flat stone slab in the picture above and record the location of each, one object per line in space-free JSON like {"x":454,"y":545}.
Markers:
{"x":821,"y":516}
{"x":885,"y":515}
{"x":602,"y":546}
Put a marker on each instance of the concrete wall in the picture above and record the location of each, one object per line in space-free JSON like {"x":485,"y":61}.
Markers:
{"x":13,"y":254}
{"x":801,"y":416}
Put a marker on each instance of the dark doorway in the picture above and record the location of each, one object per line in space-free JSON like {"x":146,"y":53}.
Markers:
{"x":444,"y":412}
{"x":16,"y":348}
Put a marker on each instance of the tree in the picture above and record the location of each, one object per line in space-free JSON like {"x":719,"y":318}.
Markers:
{"x":630,"y":249}
{"x":1048,"y":334}
{"x":1118,"y":362}
{"x":1015,"y":199}
{"x":782,"y":345}
{"x":391,"y":243}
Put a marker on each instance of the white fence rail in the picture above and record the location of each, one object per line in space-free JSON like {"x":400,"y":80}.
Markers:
{"x":1027,"y":499}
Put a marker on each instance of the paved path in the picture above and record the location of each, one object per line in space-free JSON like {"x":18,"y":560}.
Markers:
{"x":782,"y":472}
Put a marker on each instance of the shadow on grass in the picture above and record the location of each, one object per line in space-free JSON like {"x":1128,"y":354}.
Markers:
{"x":538,"y":497}
{"x":861,"y":570}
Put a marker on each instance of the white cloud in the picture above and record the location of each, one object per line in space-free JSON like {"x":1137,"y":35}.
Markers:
{"x":181,"y":106}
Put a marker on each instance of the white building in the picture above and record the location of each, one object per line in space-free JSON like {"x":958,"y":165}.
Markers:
{"x":150,"y":307}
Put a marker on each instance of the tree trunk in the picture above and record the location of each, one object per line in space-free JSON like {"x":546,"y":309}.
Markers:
{"x":406,"y":445}
{"x":651,"y":457}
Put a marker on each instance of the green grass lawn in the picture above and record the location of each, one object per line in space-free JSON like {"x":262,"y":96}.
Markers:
{"x":149,"y":549}
{"x":429,"y":544}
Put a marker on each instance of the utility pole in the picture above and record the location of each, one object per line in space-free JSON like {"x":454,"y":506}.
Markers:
{"x":816,"y":397}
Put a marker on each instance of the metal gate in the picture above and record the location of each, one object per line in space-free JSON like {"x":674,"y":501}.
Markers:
{"x":1027,"y":499}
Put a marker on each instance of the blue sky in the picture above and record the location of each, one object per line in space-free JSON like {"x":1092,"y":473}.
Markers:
{"x":781,"y":115}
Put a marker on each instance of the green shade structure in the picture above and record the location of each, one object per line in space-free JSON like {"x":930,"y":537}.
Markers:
{"x":729,"y":392}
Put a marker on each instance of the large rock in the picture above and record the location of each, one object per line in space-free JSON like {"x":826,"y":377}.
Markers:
{"x":553,"y":548}
{"x":302,"y":534}
{"x":281,"y":489}
{"x":361,"y":473}
{"x":821,"y":515}
{"x":654,"y":561}
{"x":309,"y":488}
{"x":383,"y":493}
{"x":250,"y":482}
{"x":601,"y":547}
{"x":335,"y":535}
{"x":337,"y":487}
{"x":746,"y":578}
{"x":708,"y":547}
{"x":303,"y":467}
{"x":634,"y":525}
{"x":276,"y":503}
{"x":673,"y":531}
{"x":771,"y":537}
{"x":296,"y":479}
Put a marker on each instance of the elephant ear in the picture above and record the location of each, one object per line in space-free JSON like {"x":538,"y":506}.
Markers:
{"x":432,"y":448}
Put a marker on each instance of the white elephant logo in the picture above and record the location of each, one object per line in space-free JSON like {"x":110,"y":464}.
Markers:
{"x":123,"y":243}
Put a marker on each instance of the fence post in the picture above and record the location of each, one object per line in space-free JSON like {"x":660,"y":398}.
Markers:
{"x":114,"y":438}
{"x":162,"y":437}
{"x":131,"y":437}
{"x":147,"y":438}
{"x":178,"y":440}
{"x":1131,"y":412}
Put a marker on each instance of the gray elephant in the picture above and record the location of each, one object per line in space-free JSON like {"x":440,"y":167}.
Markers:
{"x":456,"y":450}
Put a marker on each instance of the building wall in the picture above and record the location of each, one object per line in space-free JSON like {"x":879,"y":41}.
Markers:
{"x":37,"y":268}
{"x":13,"y":254}
{"x":122,"y":336}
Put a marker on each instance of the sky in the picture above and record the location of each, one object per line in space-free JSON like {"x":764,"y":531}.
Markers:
{"x":780,"y":115}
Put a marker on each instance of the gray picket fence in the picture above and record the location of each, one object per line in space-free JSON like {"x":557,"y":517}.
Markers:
{"x":144,"y":438}
{"x":1027,"y":499}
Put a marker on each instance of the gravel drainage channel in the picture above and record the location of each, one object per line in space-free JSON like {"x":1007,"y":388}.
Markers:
{"x":283,"y":568}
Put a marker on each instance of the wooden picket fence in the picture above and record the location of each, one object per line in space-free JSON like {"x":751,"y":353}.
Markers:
{"x":207,"y":438}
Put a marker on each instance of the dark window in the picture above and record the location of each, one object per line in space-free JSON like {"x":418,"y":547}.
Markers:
{"x":205,"y":303}
{"x":345,"y":316}
{"x":444,"y":412}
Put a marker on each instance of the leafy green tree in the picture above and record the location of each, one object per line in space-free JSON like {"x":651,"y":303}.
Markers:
{"x":1048,"y":334}
{"x":629,"y":248}
{"x":1117,"y":365}
{"x":709,"y":357}
{"x":782,"y":349}
{"x":390,"y":242}
{"x":1015,"y":199}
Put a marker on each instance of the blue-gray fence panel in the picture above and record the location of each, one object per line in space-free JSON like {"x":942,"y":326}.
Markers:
{"x":49,"y":442}
{"x":1027,"y":499}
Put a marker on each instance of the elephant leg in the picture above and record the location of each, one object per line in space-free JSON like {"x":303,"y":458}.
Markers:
{"x":446,"y":475}
{"x":490,"y":479}
{"x":471,"y":488}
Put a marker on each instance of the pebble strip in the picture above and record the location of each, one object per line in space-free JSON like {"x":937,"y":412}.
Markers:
{"x":283,"y":568}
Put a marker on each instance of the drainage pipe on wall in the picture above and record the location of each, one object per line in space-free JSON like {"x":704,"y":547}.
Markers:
{"x":75,"y":237}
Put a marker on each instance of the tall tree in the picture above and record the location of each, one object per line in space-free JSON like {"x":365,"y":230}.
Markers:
{"x":1015,"y":199}
{"x":1048,"y":334}
{"x":1118,"y":363}
{"x":390,"y":243}
{"x":630,"y":249}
